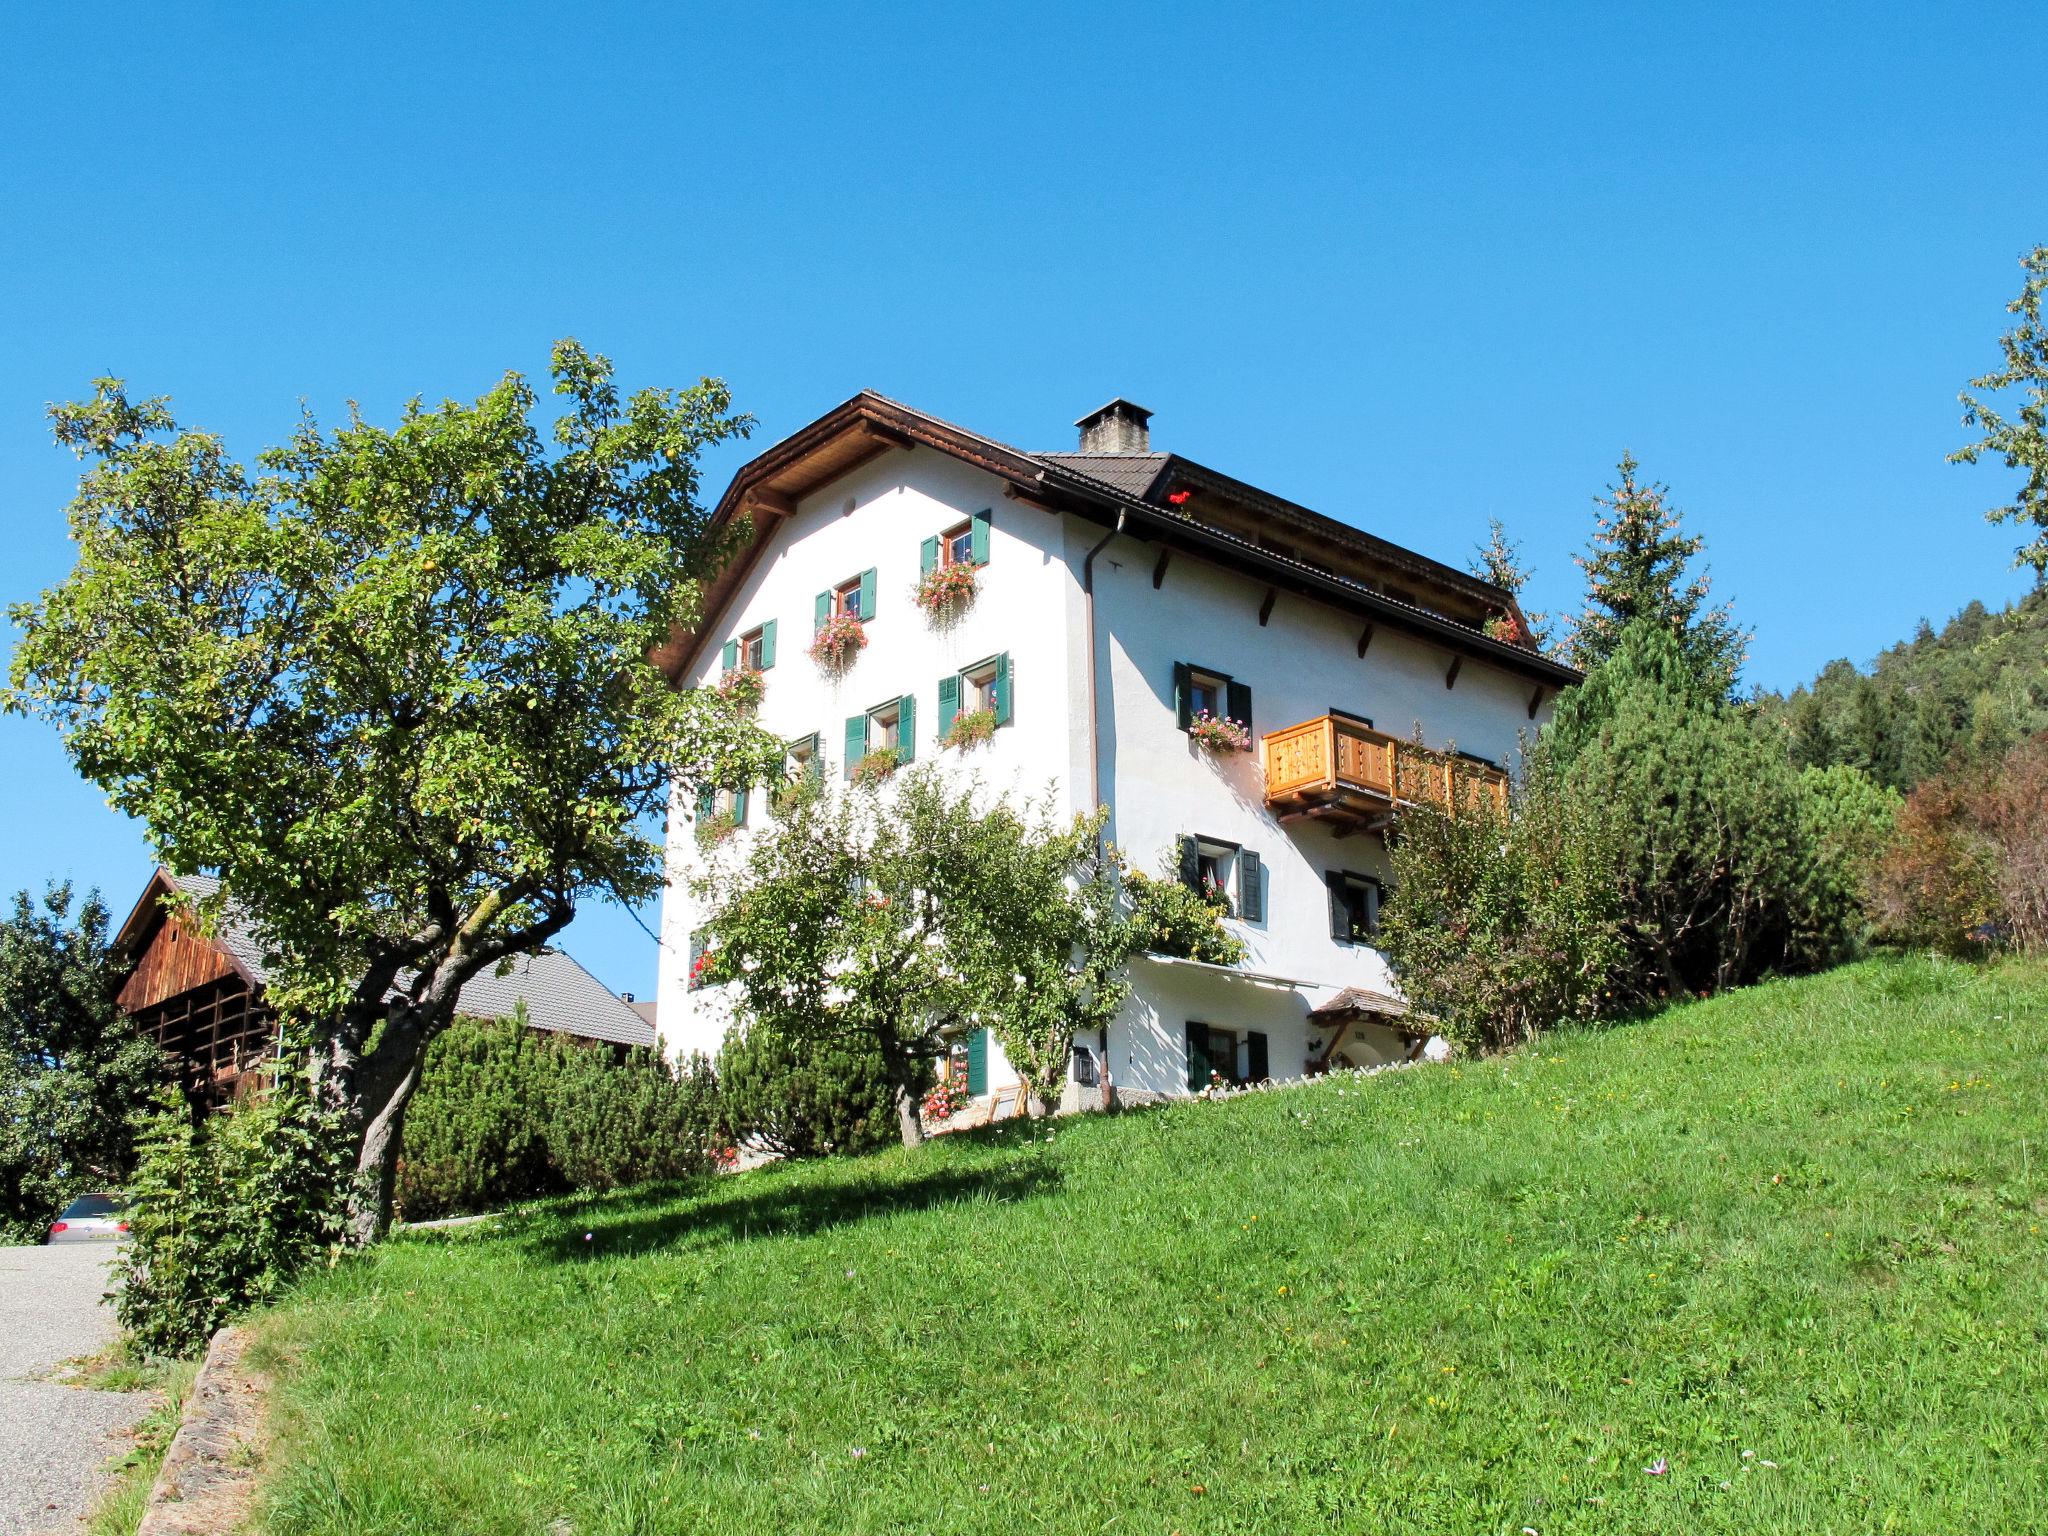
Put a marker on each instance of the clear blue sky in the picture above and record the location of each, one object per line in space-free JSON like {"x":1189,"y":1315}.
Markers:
{"x":1411,"y":268}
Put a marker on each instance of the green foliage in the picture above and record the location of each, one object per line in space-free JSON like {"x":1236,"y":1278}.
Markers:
{"x":1170,"y":917}
{"x":1964,"y":695}
{"x":506,"y":1113}
{"x":224,"y":1214}
{"x":1846,"y":821}
{"x":805,"y":1098}
{"x":2021,"y":438}
{"x":393,"y":685}
{"x":1636,"y":571}
{"x":72,"y":1069}
{"x":1796,"y":1221}
{"x":476,"y":1133}
{"x":1505,"y":921}
{"x":895,"y":917}
{"x":1040,"y":928}
{"x":1714,"y":831}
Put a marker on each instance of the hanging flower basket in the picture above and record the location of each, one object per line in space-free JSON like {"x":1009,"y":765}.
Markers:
{"x":1218,"y":733}
{"x":971,"y":728}
{"x":703,"y":970}
{"x":743,"y":688}
{"x":838,"y":642}
{"x":715,"y":829}
{"x":1502,"y":627}
{"x":945,"y":592}
{"x":876,"y":766}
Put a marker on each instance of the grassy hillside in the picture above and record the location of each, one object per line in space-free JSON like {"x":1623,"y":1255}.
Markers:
{"x":1787,"y":1245}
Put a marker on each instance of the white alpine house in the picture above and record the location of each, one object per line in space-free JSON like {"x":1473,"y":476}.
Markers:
{"x":1120,"y":594}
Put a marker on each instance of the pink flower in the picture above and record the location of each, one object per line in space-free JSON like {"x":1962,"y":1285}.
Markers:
{"x":1658,"y":1467}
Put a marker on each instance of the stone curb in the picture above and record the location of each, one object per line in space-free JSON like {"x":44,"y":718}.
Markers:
{"x":209,"y":1471}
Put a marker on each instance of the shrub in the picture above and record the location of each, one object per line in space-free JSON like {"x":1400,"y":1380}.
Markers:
{"x":971,"y":728}
{"x":505,"y":1113}
{"x":830,"y":1094}
{"x":224,"y":1214}
{"x":1845,"y":821}
{"x":1967,"y":868}
{"x":474,"y":1133}
{"x":1505,"y":921}
{"x":1172,"y":918}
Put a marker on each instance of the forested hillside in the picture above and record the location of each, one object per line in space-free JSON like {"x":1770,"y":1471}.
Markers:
{"x":1976,"y":687}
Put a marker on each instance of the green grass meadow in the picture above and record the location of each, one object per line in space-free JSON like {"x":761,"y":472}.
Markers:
{"x":1787,"y":1246}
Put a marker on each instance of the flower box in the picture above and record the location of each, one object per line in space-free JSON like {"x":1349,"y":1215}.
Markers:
{"x":971,"y":728}
{"x":1502,"y":627}
{"x":838,"y":641}
{"x":875,"y":766}
{"x":715,"y":829}
{"x":1218,"y":733}
{"x":743,"y":688}
{"x":945,"y":591}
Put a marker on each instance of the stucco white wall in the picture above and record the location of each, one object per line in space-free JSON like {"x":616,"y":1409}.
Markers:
{"x":1302,"y":663}
{"x":1026,"y":604}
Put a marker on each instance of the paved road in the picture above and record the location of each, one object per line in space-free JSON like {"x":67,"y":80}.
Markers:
{"x":54,"y":1440}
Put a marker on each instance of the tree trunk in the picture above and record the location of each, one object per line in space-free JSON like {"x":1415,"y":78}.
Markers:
{"x":1034,"y":1103}
{"x":909,"y":1118}
{"x":376,"y":1176}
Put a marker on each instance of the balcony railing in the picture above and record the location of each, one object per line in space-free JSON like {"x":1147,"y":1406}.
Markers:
{"x":1338,"y":769}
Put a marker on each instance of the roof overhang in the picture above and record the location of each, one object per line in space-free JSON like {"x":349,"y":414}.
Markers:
{"x":767,"y":489}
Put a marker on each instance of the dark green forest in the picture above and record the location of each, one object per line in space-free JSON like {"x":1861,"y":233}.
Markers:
{"x":1969,"y":692}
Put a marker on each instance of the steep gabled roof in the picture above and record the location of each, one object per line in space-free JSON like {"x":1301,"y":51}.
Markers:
{"x":1221,"y":519}
{"x":560,"y":995}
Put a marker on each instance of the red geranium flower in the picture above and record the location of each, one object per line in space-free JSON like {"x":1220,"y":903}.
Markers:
{"x":1178,"y":498}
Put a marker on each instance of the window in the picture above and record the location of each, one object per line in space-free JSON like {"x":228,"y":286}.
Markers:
{"x":733,"y":803}
{"x":806,"y":757}
{"x":1084,"y":1066}
{"x":1225,"y":1055}
{"x":698,"y":963}
{"x":753,"y":652}
{"x":852,"y":598}
{"x":984,"y":685}
{"x":891,"y":724}
{"x":1201,"y":691}
{"x":962,"y":544}
{"x":1354,"y":906}
{"x":1236,"y":874}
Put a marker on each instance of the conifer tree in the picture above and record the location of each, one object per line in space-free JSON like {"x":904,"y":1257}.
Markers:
{"x":1500,"y":562}
{"x":1636,"y":568}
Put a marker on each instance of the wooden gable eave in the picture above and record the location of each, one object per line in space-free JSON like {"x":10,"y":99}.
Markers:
{"x":767,"y":489}
{"x":145,"y":936}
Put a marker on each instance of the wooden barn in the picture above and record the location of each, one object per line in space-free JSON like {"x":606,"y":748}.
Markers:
{"x":201,"y":996}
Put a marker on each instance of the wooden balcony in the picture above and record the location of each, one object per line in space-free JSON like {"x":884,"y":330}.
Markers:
{"x":1345,"y":772}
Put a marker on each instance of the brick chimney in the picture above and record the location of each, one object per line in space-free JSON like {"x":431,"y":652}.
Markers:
{"x":1118,"y":427}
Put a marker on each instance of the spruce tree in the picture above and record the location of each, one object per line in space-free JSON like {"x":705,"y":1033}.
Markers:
{"x":1636,"y":568}
{"x":1500,"y":562}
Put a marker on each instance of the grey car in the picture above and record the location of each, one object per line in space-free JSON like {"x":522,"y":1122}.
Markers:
{"x":94,"y":1218}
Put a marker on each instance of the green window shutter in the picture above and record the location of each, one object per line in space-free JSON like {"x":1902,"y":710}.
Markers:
{"x":767,"y":645}
{"x":1183,"y":700}
{"x":1198,"y":1057}
{"x":856,"y":741}
{"x":977,"y":1063}
{"x":949,"y":704}
{"x":1002,"y":689}
{"x":977,"y":537}
{"x":1190,"y":864}
{"x":928,"y":556}
{"x":817,"y":757}
{"x":730,"y":656}
{"x":1340,"y":908}
{"x":739,"y":807}
{"x":867,"y":594}
{"x":707,"y":802}
{"x":1251,"y":887}
{"x":824,"y":610}
{"x":1238,"y":704}
{"x":906,"y":728}
{"x":1258,"y":1064}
